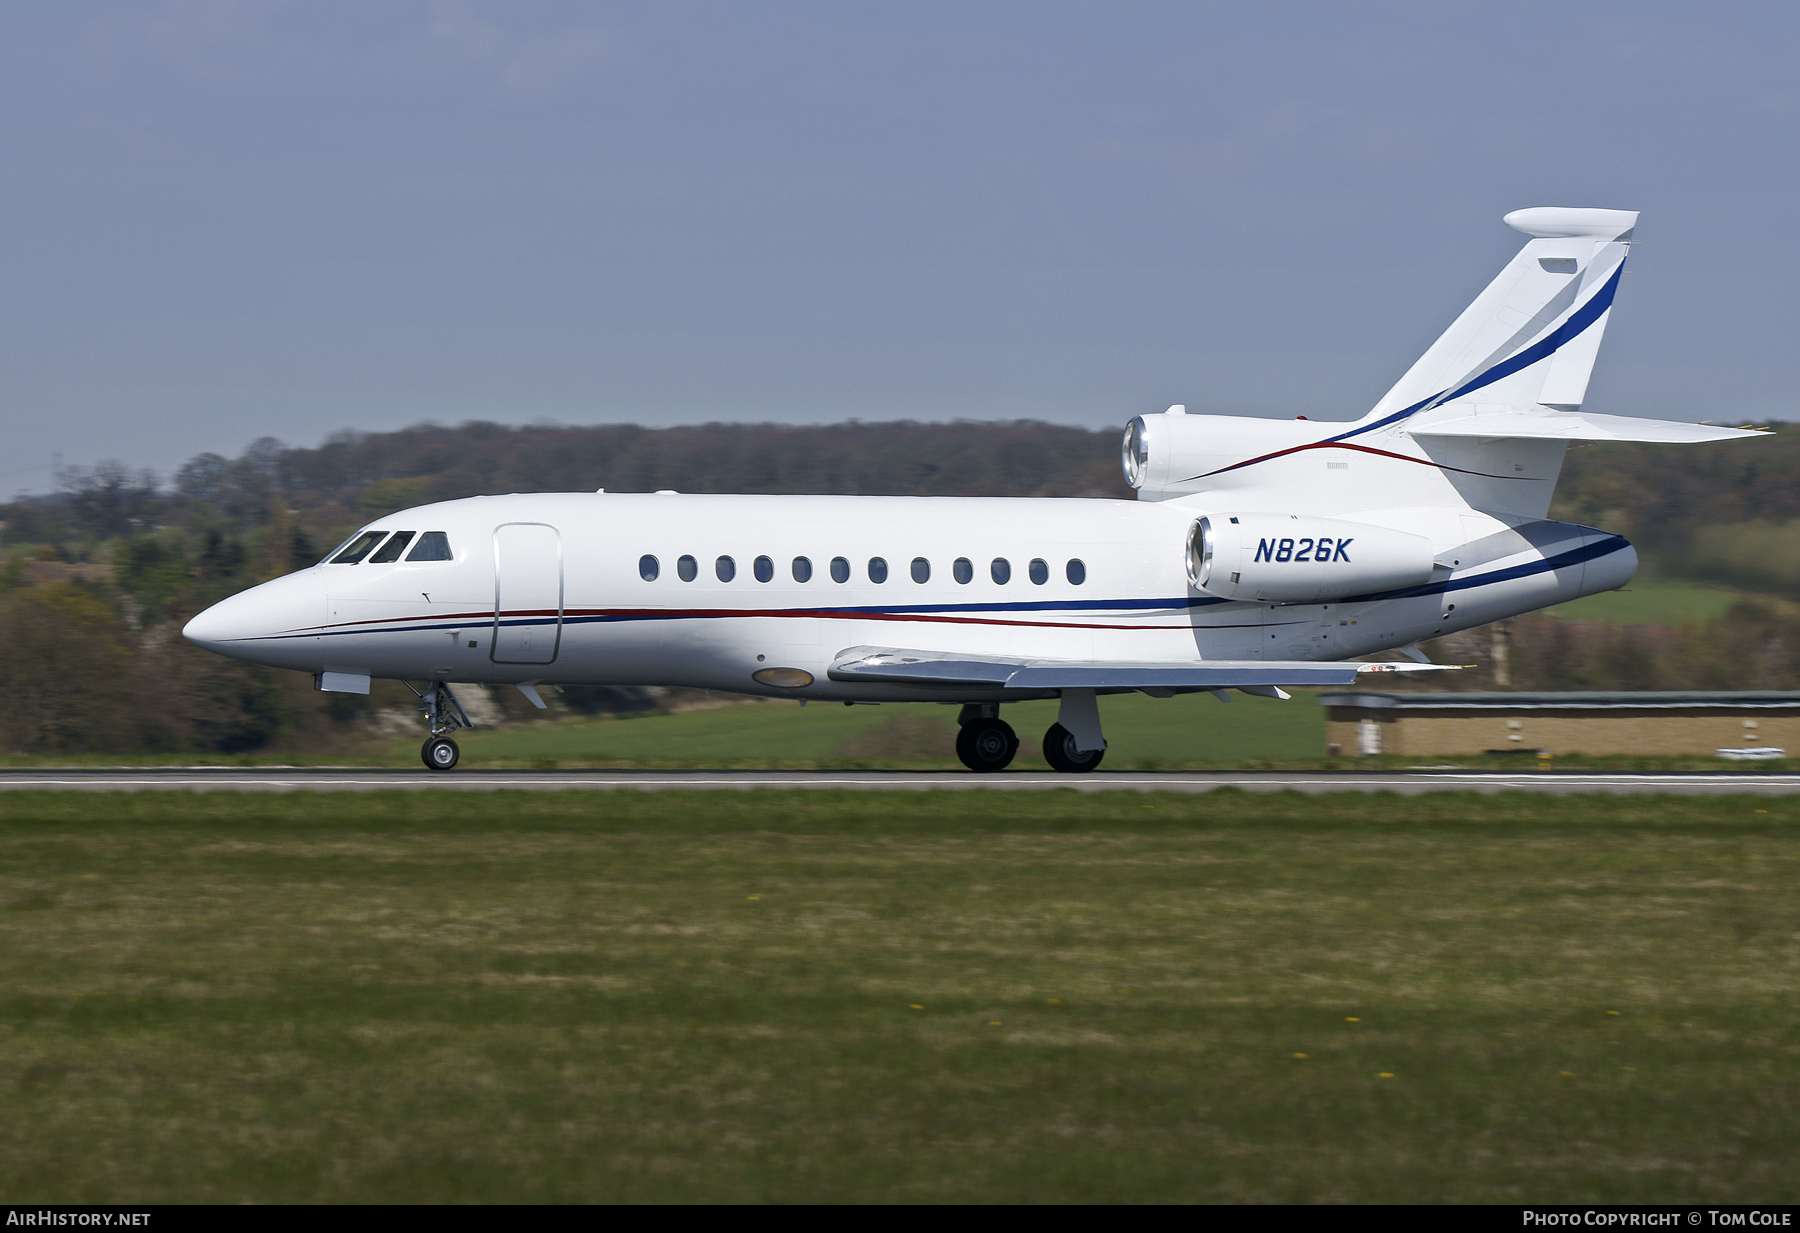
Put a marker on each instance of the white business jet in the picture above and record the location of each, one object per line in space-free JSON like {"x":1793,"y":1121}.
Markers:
{"x":1259,"y":555}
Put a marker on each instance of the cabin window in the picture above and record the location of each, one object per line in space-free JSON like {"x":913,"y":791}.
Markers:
{"x":649,"y":567}
{"x":1076,"y":572}
{"x":432,"y":546}
{"x":877,"y":569}
{"x":840,"y":569}
{"x":687,"y":569}
{"x":1040,"y":572}
{"x":802,"y":569}
{"x":763,"y":568}
{"x":963,"y":571}
{"x":1000,"y":571}
{"x":725,"y":568}
{"x":921,"y":570}
{"x":391,"y":550}
{"x":359,"y":548}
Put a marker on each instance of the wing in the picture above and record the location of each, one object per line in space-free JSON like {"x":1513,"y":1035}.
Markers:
{"x":900,"y":667}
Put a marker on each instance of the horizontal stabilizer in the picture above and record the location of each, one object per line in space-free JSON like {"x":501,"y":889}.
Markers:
{"x":1514,"y":423}
{"x":866,"y":664}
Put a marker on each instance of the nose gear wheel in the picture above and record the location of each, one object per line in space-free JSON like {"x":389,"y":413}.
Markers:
{"x":445,"y":715}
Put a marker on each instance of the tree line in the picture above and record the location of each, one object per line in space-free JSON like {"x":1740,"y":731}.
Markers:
{"x":99,"y":575}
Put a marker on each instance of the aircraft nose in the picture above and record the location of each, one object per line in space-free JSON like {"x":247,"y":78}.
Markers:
{"x":270,"y":611}
{"x":232,"y":619}
{"x":205,"y":629}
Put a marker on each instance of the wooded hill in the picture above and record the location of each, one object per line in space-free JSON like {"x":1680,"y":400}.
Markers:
{"x":320,"y":495}
{"x":1725,"y":511}
{"x":98,"y":575}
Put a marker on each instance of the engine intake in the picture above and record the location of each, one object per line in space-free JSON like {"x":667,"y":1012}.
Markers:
{"x":1297,"y":558}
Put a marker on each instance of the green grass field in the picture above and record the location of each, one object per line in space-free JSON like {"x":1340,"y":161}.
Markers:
{"x":1141,"y":732}
{"x":818,"y":996}
{"x":1654,"y":601}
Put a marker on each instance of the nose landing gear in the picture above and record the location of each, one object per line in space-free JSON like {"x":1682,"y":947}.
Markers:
{"x":445,"y":713}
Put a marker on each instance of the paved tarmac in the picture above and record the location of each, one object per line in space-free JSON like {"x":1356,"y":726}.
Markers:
{"x":1406,"y":783}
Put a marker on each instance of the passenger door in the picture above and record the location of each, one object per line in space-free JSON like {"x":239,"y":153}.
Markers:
{"x":528,"y":593}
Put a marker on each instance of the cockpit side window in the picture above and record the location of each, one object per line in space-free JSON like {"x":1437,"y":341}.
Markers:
{"x":391,"y":550}
{"x":432,"y":546}
{"x":359,"y":548}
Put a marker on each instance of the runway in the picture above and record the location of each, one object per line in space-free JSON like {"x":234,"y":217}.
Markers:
{"x":1405,"y":783}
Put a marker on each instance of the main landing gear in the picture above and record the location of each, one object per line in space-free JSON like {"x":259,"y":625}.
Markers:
{"x":987,"y":743}
{"x":1061,"y":754}
{"x":445,"y":713}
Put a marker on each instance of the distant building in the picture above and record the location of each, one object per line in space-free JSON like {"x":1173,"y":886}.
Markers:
{"x":1686,"y":723}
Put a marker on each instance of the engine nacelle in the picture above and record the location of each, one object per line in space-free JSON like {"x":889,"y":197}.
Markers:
{"x":1297,"y":558}
{"x":1178,"y":454}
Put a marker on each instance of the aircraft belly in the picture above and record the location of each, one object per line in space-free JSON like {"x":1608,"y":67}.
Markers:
{"x":1087,"y":635}
{"x":300,"y":654}
{"x":1399,"y":622}
{"x":380,"y":637}
{"x":603,"y":648}
{"x":1300,"y":631}
{"x":1234,"y":631}
{"x":722,"y":652}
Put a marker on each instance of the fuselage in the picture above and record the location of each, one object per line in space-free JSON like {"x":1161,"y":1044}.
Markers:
{"x":709,"y":591}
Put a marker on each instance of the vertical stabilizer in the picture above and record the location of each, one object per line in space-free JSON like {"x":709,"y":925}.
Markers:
{"x":1531,"y":337}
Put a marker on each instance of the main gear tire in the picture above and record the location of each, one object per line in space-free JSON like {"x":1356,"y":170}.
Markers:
{"x":1061,"y":754}
{"x":987,"y":745}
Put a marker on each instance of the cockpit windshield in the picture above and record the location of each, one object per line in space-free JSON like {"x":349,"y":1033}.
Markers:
{"x":359,"y":548}
{"x":391,"y":550}
{"x":431,"y":546}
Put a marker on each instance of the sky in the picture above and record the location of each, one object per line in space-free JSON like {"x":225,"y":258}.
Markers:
{"x":225,"y":219}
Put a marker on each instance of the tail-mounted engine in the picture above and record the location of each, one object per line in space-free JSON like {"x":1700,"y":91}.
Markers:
{"x":1296,"y":558}
{"x":1178,"y":454}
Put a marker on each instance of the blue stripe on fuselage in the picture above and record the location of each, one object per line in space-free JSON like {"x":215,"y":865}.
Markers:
{"x":1563,"y":560}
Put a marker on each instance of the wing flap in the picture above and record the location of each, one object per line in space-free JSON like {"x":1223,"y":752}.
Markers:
{"x":887,"y":665}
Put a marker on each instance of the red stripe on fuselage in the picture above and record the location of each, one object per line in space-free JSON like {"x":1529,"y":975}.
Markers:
{"x":826,"y":614}
{"x":1345,"y":445}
